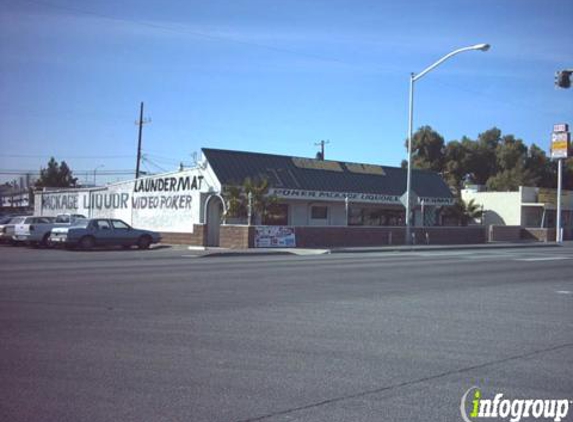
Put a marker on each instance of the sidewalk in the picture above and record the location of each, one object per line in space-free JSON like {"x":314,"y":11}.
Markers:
{"x":220,"y":252}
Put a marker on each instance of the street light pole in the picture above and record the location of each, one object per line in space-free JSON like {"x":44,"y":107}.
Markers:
{"x":414,"y":78}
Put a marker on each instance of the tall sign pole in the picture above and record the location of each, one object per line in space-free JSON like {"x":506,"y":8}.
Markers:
{"x":558,"y":237}
{"x":560,"y":139}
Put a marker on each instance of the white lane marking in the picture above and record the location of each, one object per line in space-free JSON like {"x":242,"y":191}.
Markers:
{"x":564,"y":292}
{"x":443,"y":253}
{"x":545,"y":258}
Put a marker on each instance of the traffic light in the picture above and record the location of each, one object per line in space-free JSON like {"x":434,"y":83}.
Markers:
{"x":563,"y":78}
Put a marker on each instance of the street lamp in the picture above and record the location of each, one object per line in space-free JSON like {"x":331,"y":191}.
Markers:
{"x":95,"y":172}
{"x":414,"y":78}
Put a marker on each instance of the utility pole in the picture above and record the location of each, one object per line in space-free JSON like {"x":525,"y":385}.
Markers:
{"x":322,"y":144}
{"x":140,"y":123}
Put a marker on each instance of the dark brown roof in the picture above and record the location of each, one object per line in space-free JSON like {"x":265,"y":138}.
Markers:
{"x":233,"y":167}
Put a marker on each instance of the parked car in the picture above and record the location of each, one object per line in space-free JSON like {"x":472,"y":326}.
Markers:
{"x":69,"y":218}
{"x":7,"y":229}
{"x":35,"y":231}
{"x":103,"y":232}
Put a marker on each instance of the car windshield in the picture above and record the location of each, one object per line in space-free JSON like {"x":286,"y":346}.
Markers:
{"x":82,"y":223}
{"x":5,"y":220}
{"x":17,"y":220}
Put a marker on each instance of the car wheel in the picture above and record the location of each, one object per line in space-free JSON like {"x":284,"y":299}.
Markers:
{"x":45,"y":243}
{"x":87,"y":242}
{"x":144,"y":242}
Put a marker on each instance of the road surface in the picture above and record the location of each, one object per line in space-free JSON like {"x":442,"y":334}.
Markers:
{"x":162,"y":335}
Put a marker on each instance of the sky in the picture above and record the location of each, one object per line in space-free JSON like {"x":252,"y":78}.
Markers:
{"x":269,"y":76}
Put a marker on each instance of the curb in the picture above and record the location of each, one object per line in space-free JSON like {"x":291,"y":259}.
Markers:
{"x":418,"y":248}
{"x":255,"y":252}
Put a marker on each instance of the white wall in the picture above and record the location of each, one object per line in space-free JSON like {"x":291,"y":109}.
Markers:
{"x":499,"y":207}
{"x":170,"y":202}
{"x":298,"y":213}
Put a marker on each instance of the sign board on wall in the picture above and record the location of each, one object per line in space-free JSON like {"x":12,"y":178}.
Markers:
{"x":274,"y":237}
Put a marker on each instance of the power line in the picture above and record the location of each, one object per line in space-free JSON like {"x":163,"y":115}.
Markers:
{"x":75,"y":172}
{"x":80,"y":157}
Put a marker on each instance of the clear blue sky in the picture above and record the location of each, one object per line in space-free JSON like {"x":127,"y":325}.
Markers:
{"x":270,"y":76}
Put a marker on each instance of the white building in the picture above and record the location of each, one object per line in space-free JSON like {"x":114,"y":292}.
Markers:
{"x":527,"y":207}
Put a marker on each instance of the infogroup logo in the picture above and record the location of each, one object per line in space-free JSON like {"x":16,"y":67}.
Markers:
{"x":513,"y":409}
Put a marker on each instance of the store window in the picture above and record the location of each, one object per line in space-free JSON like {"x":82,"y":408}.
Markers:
{"x":276,"y":215}
{"x":319,"y":212}
{"x":356,"y":216}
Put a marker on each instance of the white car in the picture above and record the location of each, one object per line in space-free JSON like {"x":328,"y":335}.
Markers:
{"x":33,"y":230}
{"x":36,"y":231}
{"x":7,"y":229}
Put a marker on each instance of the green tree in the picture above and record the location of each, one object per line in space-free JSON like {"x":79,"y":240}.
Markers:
{"x":56,"y":176}
{"x":512,"y":170}
{"x":482,"y":159}
{"x":510,"y":153}
{"x":567,"y":174}
{"x":428,"y":149}
{"x":543,"y":171}
{"x":511,"y":179}
{"x":455,"y":165}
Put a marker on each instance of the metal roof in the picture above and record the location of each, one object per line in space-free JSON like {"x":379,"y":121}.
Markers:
{"x":233,"y":167}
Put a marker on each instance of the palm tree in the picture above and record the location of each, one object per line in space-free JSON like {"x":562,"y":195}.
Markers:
{"x":237,"y":197}
{"x":464,"y":212}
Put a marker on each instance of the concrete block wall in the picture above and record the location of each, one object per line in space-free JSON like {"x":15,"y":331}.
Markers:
{"x":242,"y":236}
{"x":236,"y":236}
{"x":544,"y":235}
{"x":504,"y":233}
{"x":315,"y":237}
{"x":197,"y":238}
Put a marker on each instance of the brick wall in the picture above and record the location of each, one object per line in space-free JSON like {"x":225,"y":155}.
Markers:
{"x":544,"y":235}
{"x":316,"y":237}
{"x":242,"y":236}
{"x":499,"y":233}
{"x":236,"y":236}
{"x":197,"y":238}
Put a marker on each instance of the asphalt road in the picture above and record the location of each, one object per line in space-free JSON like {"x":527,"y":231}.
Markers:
{"x":161,"y":335}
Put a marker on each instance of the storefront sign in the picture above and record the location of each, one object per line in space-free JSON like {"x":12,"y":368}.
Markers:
{"x":274,"y":237}
{"x":168,"y":184}
{"x":353,"y":197}
{"x":335,"y":196}
{"x":437,"y":202}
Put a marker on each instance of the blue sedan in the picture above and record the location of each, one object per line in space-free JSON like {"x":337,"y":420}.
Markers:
{"x":103,"y":232}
